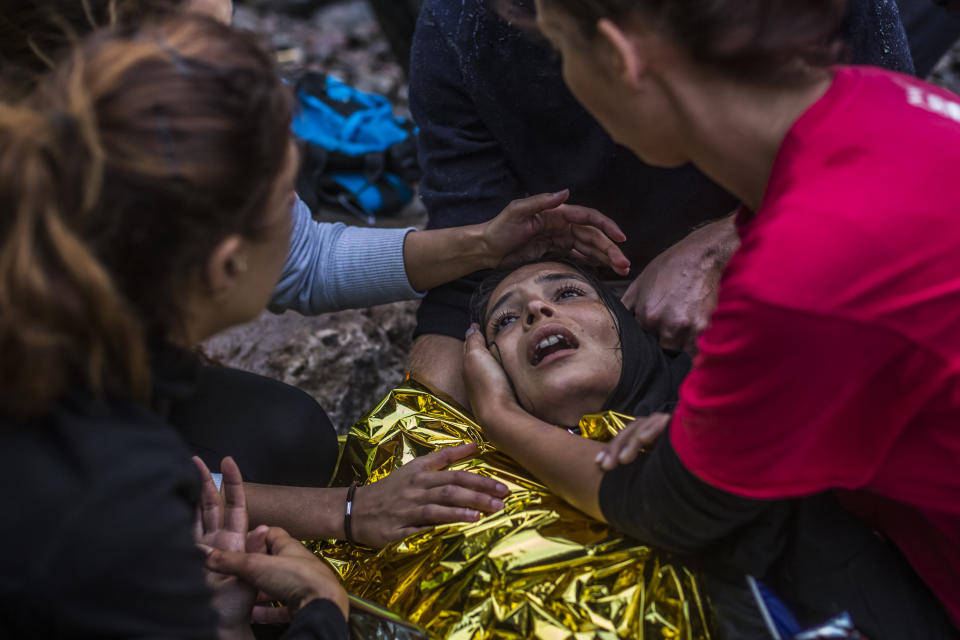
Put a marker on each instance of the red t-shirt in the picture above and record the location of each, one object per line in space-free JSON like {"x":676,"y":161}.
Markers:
{"x":832,"y":360}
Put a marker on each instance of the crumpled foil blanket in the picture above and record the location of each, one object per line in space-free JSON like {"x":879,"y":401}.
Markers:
{"x":537,"y":569}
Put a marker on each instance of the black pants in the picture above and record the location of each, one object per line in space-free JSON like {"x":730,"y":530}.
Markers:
{"x":276,"y":433}
{"x":835,"y":562}
{"x":822,"y":561}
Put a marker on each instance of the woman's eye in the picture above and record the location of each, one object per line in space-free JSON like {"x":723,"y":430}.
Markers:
{"x":502,"y":322}
{"x":570,"y":292}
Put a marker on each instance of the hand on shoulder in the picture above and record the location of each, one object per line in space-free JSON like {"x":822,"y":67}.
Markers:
{"x":674,"y":296}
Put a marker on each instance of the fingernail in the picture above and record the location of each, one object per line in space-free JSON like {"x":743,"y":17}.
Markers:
{"x":599,"y":458}
{"x":473,"y":515}
{"x":559,"y":193}
{"x":471,"y":331}
{"x":502,"y":489}
{"x":496,"y":504}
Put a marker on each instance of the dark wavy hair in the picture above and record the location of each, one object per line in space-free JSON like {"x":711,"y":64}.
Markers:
{"x":765,"y":40}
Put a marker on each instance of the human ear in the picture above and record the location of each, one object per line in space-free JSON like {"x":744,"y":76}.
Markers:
{"x":628,"y":62}
{"x":226,"y":264}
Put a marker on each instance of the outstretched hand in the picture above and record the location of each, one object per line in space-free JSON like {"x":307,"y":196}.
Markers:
{"x":421,"y":494}
{"x":531,"y":227}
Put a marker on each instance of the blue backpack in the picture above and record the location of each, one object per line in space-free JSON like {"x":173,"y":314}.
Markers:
{"x":357,"y":154}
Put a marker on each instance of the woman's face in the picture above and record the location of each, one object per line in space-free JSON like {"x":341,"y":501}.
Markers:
{"x":610,"y":75}
{"x":243,"y":271}
{"x":268,"y":253}
{"x":556,"y":340}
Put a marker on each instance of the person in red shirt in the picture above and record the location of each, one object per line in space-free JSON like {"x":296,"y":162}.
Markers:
{"x":834,"y":368}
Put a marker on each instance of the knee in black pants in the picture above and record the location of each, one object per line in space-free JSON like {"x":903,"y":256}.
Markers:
{"x":276,"y":433}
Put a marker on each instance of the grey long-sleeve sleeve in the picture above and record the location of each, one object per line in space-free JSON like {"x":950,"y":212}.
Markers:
{"x":333,"y":266}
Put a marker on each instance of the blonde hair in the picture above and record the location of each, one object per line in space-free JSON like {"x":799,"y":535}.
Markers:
{"x":770,"y":41}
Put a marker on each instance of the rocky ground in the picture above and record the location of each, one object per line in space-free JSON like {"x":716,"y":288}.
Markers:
{"x":341,"y":38}
{"x":347,"y":360}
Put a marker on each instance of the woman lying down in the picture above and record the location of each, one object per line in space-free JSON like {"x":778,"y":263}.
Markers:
{"x":539,"y":568}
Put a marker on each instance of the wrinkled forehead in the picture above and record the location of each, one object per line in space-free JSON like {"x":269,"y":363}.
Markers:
{"x":530,"y":275}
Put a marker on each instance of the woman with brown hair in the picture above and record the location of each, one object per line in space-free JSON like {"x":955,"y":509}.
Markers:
{"x":836,"y":371}
{"x":147,"y":185}
{"x":125,"y":230}
{"x":280,"y":436}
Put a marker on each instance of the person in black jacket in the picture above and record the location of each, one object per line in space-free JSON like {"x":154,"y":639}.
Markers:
{"x":146,"y":186}
{"x":773,"y":409}
{"x":221,"y":411}
{"x":497,"y":122}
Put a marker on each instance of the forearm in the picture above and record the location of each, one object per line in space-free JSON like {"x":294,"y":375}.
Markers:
{"x":437,"y":361}
{"x":437,"y":256}
{"x":657,"y":500}
{"x":719,"y":241}
{"x":305,"y":512}
{"x":562,"y":461}
{"x":331,"y":266}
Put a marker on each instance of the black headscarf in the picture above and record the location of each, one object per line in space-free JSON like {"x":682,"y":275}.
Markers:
{"x":650,"y":378}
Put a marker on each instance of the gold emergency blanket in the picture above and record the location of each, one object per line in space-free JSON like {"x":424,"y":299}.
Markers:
{"x":537,"y":569}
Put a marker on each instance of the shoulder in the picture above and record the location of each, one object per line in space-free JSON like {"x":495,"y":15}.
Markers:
{"x":874,"y":95}
{"x":84,"y":448}
{"x":450,"y":24}
{"x":100,"y":535}
{"x":864,"y":180}
{"x":894,"y":124}
{"x":471,"y":34}
{"x":453,"y":17}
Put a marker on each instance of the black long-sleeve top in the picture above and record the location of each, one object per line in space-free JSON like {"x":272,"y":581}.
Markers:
{"x":96,"y":513}
{"x":815,"y":554}
{"x":497,"y":123}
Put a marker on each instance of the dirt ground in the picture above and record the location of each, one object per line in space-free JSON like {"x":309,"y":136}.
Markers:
{"x":350,"y":359}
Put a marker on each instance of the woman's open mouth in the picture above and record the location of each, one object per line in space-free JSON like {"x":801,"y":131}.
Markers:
{"x":548,"y":341}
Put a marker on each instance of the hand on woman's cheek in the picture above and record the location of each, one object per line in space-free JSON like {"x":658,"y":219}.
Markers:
{"x":488,"y":388}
